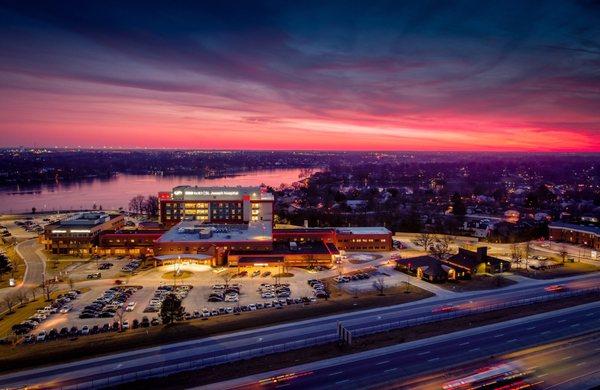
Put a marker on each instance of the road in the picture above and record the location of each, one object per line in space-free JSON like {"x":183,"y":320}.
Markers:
{"x":569,"y":364}
{"x":34,"y":266}
{"x":219,"y":348}
{"x":427,"y":364}
{"x":35,"y":263}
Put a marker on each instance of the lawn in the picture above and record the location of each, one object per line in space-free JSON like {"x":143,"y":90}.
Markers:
{"x":23,"y":356}
{"x":569,"y":269}
{"x":18,"y":266}
{"x":478,"y":283}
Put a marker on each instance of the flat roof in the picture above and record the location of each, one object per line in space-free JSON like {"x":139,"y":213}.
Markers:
{"x":190,"y":231}
{"x":363,"y":230}
{"x":579,"y":228}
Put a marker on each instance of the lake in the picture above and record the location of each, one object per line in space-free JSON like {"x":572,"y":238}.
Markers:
{"x":117,"y":191}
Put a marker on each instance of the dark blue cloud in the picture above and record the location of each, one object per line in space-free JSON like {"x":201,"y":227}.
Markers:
{"x":376,"y":57}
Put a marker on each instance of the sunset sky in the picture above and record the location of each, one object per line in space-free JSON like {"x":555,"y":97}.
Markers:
{"x":345,"y":75}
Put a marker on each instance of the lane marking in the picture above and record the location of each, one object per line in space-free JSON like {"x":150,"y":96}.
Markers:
{"x":336,"y":373}
{"x":512,"y":341}
{"x":383,"y":362}
{"x":499,"y":335}
{"x":561,"y":321}
{"x":531,"y":328}
{"x":542,"y":375}
{"x":566,"y":357}
{"x":344,"y":381}
{"x":433,"y":359}
{"x":581,"y":364}
{"x":391,"y":369}
{"x":546,"y":332}
{"x":575,"y":325}
{"x":424,"y":353}
{"x":589,"y":314}
{"x":463,"y":344}
{"x":474,"y":349}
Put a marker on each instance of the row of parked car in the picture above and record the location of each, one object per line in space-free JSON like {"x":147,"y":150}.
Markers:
{"x":161,"y":292}
{"x":270,"y":291}
{"x":319,"y":288}
{"x":30,"y":226}
{"x":74,"y":331}
{"x":225,"y":293}
{"x":59,"y":305}
{"x":276,"y":303}
{"x":131,"y":266}
{"x":350,"y":278}
{"x":105,"y":265}
{"x":109,"y":302}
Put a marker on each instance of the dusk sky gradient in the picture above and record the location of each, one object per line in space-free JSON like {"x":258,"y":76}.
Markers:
{"x":397,"y":75}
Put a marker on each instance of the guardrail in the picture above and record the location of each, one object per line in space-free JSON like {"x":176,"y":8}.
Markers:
{"x":262,"y":349}
{"x":363,"y":331}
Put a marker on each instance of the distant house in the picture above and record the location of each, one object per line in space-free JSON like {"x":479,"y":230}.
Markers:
{"x":427,"y":268}
{"x":476,"y":262}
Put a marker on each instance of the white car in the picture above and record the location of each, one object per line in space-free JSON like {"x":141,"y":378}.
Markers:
{"x":130,"y":306}
{"x":252,"y":307}
{"x":65,"y":309}
{"x":41,"y":336}
{"x":85,"y":330}
{"x":268,"y":295}
{"x":205,"y":313}
{"x":218,"y":287}
{"x":125,"y":325}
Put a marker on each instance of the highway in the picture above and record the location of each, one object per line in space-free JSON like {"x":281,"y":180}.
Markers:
{"x":569,"y":364}
{"x":126,"y":365}
{"x":428,"y":363}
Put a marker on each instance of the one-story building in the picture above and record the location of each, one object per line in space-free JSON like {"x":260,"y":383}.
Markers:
{"x":479,"y":262}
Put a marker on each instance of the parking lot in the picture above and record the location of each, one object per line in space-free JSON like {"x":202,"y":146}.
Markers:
{"x":201,"y":288}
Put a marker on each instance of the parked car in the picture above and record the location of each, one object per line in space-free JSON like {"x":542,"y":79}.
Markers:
{"x":95,"y":275}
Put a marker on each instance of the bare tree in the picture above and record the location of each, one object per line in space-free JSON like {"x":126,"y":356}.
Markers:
{"x":21,"y":296}
{"x":49,"y":288}
{"x":150,"y":206}
{"x":226,"y":277}
{"x":10,"y":302}
{"x":516,"y":255}
{"x":33,"y":292}
{"x":526,"y":254}
{"x":379,"y":285}
{"x":424,"y":240}
{"x":440,"y":248}
{"x":119,"y":313}
{"x":136,"y":204}
{"x":563,"y":253}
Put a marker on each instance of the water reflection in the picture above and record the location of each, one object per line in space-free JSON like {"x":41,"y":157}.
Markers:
{"x":112,"y":193}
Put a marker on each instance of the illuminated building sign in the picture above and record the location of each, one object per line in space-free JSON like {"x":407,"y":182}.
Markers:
{"x":207,"y":193}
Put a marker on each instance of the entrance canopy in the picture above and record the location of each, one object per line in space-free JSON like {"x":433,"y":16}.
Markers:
{"x":193,"y":257}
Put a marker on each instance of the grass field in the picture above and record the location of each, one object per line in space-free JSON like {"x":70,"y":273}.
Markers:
{"x":478,"y":283}
{"x":569,"y":269}
{"x":23,"y":356}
